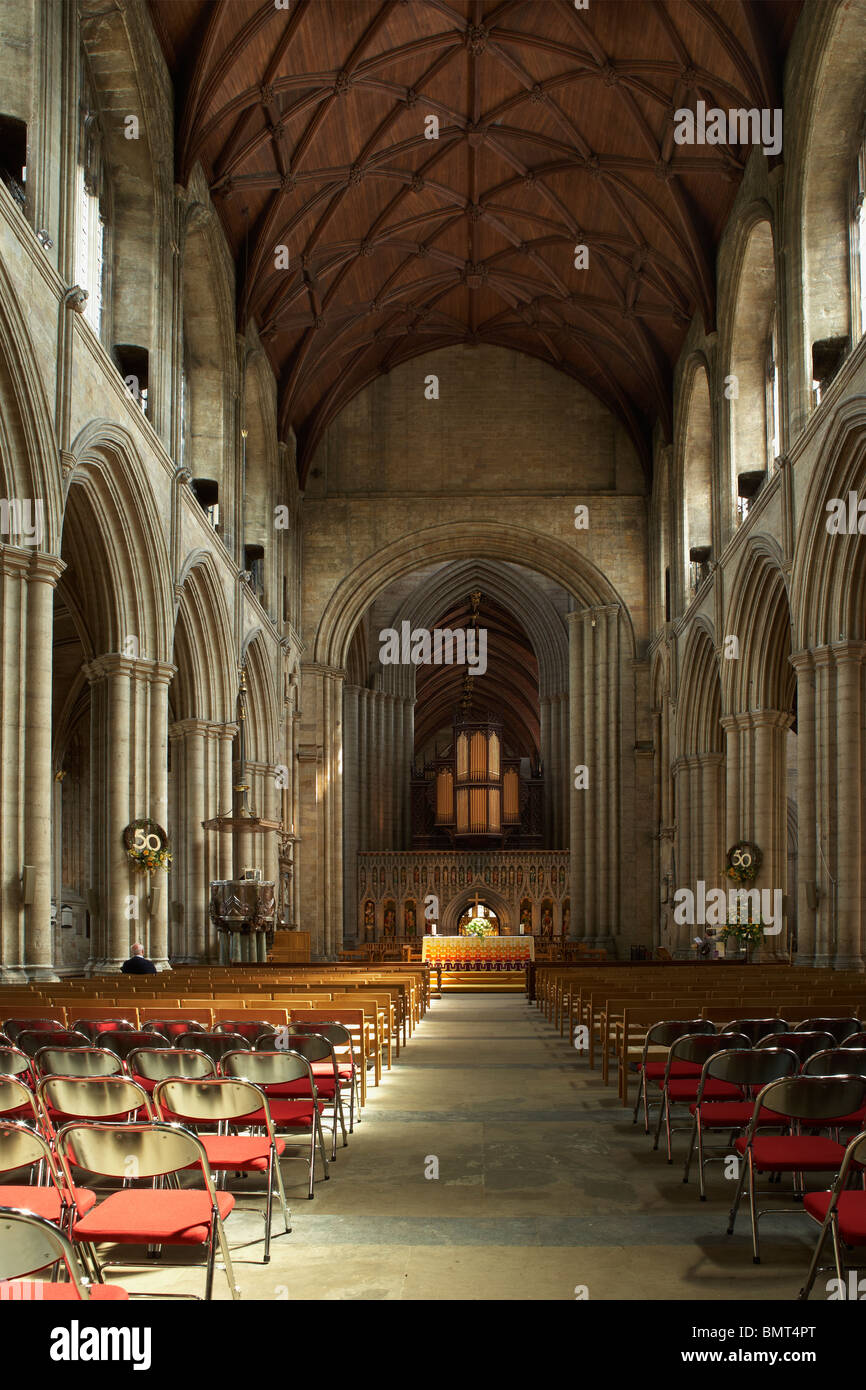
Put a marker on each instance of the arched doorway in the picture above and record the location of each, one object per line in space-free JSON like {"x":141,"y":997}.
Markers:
{"x":478,"y":912}
{"x":462,"y":908}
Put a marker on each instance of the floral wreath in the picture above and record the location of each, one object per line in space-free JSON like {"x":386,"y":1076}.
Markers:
{"x":744,"y":862}
{"x":147,"y":846}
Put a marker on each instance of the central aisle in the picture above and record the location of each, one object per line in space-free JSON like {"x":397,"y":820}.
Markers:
{"x":544,"y":1187}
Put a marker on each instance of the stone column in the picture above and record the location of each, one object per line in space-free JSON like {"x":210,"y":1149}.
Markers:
{"x":577,"y":756}
{"x":595,"y":708}
{"x":113,"y":930}
{"x":769,"y":823}
{"x":398,"y":775}
{"x":158,"y":924}
{"x":807,"y":857}
{"x":731,"y":725}
{"x":825,"y":805}
{"x":42,"y":575}
{"x":128,"y":780}
{"x":320,"y":766}
{"x":712,"y":851}
{"x":13,"y":697}
{"x":850,"y":916}
{"x":685,"y":846}
{"x":192,"y":736}
{"x":354,"y":792}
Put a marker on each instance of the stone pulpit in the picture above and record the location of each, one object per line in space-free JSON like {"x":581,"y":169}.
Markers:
{"x":243,"y":910}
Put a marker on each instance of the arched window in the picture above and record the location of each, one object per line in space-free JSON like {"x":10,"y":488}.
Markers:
{"x":752,"y":384}
{"x":697,"y":484}
{"x":91,"y":203}
{"x":773,"y":412}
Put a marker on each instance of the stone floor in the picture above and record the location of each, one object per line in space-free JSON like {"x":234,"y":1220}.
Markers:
{"x":544,"y":1189}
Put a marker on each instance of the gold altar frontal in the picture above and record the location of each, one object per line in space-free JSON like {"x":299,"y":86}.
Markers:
{"x":469,"y":964}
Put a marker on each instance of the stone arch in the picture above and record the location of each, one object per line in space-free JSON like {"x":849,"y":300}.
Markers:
{"x":696,"y":463}
{"x":126,"y":575}
{"x":544,"y":626}
{"x":210,"y":369}
{"x":829,"y":571}
{"x":202,"y":687}
{"x":544,"y":555}
{"x":29,"y":457}
{"x":262,"y":700}
{"x":759,"y":615}
{"x":260,"y":472}
{"x":822,"y":171}
{"x":748,"y":326}
{"x":123,"y":54}
{"x":454,"y":909}
{"x":662,"y":597}
{"x":699,"y":710}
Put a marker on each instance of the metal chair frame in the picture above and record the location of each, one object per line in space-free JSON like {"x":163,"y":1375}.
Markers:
{"x":695,"y":1047}
{"x":810,"y":1102}
{"x":224,"y":1101}
{"x":663,"y":1034}
{"x":29,"y":1245}
{"x":339,"y":1036}
{"x":747,"y":1069}
{"x":316,"y":1048}
{"x":280,"y":1069}
{"x":159,"y":1150}
{"x":854,"y":1153}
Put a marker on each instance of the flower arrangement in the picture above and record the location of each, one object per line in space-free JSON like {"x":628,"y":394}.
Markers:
{"x":742,"y":927}
{"x":147,"y":846}
{"x":479,"y":926}
{"x":746,"y":934}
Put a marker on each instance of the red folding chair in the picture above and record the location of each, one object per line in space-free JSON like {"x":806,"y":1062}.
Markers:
{"x":221,"y":1102}
{"x":842,"y":1213}
{"x":52,"y":1196}
{"x":805,"y":1102}
{"x":749,"y":1071}
{"x":664,"y":1034}
{"x":683,"y":1090}
{"x":148,"y":1215}
{"x":31,"y":1245}
{"x":293,"y":1100}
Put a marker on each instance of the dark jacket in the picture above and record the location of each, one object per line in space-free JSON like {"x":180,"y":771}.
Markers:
{"x":138,"y":965}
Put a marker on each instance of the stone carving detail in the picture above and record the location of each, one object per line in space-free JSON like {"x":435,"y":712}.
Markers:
{"x":514,"y":876}
{"x":475,"y":39}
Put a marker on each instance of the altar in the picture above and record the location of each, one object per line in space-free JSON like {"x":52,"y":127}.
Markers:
{"x":478,"y":953}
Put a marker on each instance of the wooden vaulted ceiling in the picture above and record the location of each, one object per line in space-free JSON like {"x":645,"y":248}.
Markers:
{"x":508,"y":689}
{"x":555,"y":129}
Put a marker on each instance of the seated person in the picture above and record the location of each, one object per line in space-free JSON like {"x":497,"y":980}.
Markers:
{"x":138,"y":963}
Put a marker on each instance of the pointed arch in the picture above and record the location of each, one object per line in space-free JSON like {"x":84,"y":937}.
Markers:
{"x":699,"y":712}
{"x":203,"y":687}
{"x":829,"y":571}
{"x":262,"y":701}
{"x":759,"y":616}
{"x":29,"y":457}
{"x":114,"y":540}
